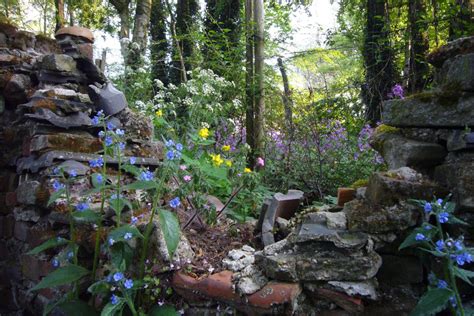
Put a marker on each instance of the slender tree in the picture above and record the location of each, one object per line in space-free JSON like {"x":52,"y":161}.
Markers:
{"x":249,"y":77}
{"x":259,"y":80}
{"x":159,"y":44}
{"x":140,"y":33}
{"x":461,"y":23}
{"x":123,"y":9}
{"x":378,"y":59}
{"x":418,"y":46}
{"x":59,"y":14}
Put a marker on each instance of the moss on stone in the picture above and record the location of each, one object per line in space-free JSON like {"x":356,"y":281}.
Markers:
{"x":386,"y":129}
{"x":359,"y":183}
{"x":448,"y":96}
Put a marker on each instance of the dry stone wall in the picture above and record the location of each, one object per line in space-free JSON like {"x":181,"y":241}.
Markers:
{"x":46,"y":105}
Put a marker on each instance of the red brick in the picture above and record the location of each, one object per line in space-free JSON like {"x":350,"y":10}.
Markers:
{"x":345,"y":195}
{"x":11,"y":199}
{"x":39,"y":234}
{"x":275,"y":294}
{"x":21,"y":230}
{"x":353,"y":305}
{"x":34,"y":268}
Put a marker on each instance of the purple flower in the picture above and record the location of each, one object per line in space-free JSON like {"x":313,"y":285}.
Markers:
{"x":260,"y":162}
{"x":443,"y":217}
{"x":169,"y":143}
{"x":452,"y":301}
{"x":442,"y":284}
{"x":101,"y":134}
{"x":57,"y":186}
{"x":108,"y":140}
{"x":55,"y":263}
{"x":121,"y":146}
{"x":427,"y":227}
{"x":127,"y":236}
{"x":179,"y":146}
{"x":95,"y":120}
{"x":119,"y":132}
{"x":428,"y":207}
{"x":72,"y":173}
{"x":170,"y":155}
{"x":464,"y":258}
{"x":110,"y":126}
{"x":99,"y":178}
{"x":118,"y":276}
{"x":114,"y":299}
{"x":97,"y":163}
{"x":133,"y":220}
{"x":146,"y":175}
{"x":440,"y":245}
{"x":397,"y":91}
{"x":420,"y":237}
{"x":187,"y":178}
{"x":128,"y":284}
{"x":174,"y":203}
{"x":133,"y":160}
{"x":458,"y":245}
{"x":439,"y":202}
{"x":82,"y":207}
{"x":111,"y":242}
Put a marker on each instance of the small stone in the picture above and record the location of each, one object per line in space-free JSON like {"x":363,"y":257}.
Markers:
{"x":27,"y":192}
{"x":72,"y":165}
{"x":366,"y":289}
{"x":16,"y":89}
{"x":58,"y":62}
{"x":26,"y":215}
{"x":248,"y":248}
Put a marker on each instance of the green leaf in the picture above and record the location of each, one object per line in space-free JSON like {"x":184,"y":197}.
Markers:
{"x":141,"y":185}
{"x":56,"y":195}
{"x":51,"y":305}
{"x":132,"y":169}
{"x":99,"y":287}
{"x":170,"y":228}
{"x":450,"y":207}
{"x":121,"y":256}
{"x":96,"y":190}
{"x":118,"y":205}
{"x":77,"y":308}
{"x":61,"y":276}
{"x":463,"y":274}
{"x":411,"y":239}
{"x":97,"y":184}
{"x":165,"y":310}
{"x":454,"y":220}
{"x":51,"y":243}
{"x":87,"y":216}
{"x":112,"y":309}
{"x":118,"y":234}
{"x":432,"y":302}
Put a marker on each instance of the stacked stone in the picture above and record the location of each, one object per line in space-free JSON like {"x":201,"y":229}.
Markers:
{"x":431,"y":131}
{"x":47,"y":99}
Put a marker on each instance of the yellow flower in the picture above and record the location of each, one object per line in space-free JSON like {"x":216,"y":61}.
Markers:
{"x":228,"y":163}
{"x":226,"y":148}
{"x":203,"y":133}
{"x":216,"y":160}
{"x":247,"y":170}
{"x":159,"y":113}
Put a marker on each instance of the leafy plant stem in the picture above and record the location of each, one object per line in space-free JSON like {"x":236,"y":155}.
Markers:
{"x":99,"y":226}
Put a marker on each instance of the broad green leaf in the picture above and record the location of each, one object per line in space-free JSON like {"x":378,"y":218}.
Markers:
{"x":121,"y":256}
{"x":165,"y":310}
{"x":51,"y":305}
{"x":118,"y":234}
{"x":432,"y":302}
{"x":51,"y":243}
{"x":61,"y":276}
{"x":77,"y":308}
{"x":99,"y":287}
{"x":118,"y":205}
{"x":463,"y":274}
{"x":450,"y":207}
{"x":113,"y":309}
{"x":411,"y":239}
{"x":96,"y":190}
{"x":170,"y":228}
{"x":454,"y":220}
{"x":132,"y":169}
{"x":56,"y":195}
{"x":141,"y":185}
{"x":96,"y":183}
{"x":87,"y":216}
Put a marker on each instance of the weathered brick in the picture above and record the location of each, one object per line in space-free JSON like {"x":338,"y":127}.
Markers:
{"x":26,"y":192}
{"x":21,"y":230}
{"x":63,"y":141}
{"x":39,"y":234}
{"x":11,"y":199}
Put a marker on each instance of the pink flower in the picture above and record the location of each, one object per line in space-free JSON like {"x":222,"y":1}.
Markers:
{"x":187,"y":178}
{"x":183,"y":167}
{"x":260,"y":162}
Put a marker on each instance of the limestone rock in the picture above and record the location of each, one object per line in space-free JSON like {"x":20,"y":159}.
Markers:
{"x":457,"y":73}
{"x":64,"y":141}
{"x":58,"y":62}
{"x":137,"y":126}
{"x":393,"y":186}
{"x":362,"y":216}
{"x":366,"y":289}
{"x":437,"y":109}
{"x":398,"y":151}
{"x":249,"y":280}
{"x":459,"y":46}
{"x":239,"y":259}
{"x":459,"y":178}
{"x":16,"y":90}
{"x":26,"y":192}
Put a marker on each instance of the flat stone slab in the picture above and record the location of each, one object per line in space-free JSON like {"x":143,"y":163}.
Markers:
{"x":460,"y":46}
{"x":431,"y":109}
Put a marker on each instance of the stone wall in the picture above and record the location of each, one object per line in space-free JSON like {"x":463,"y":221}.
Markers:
{"x":46,"y":105}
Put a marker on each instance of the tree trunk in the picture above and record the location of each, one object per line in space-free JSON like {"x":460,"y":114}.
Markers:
{"x":59,"y":4}
{"x":378,"y":59}
{"x":259,"y":82}
{"x":249,"y":78}
{"x":417,"y":66}
{"x":123,"y":10}
{"x":159,"y":44}
{"x":186,"y":11}
{"x":460,"y":23}
{"x":140,"y":34}
{"x":179,"y":51}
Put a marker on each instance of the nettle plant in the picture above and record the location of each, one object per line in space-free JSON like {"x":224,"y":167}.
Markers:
{"x":120,"y":252}
{"x":432,"y":238}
